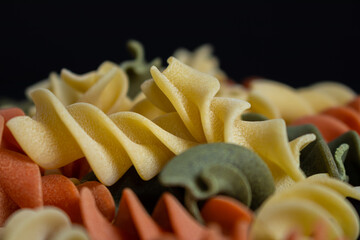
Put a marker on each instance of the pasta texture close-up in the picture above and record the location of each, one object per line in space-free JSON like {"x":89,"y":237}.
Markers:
{"x":136,"y":150}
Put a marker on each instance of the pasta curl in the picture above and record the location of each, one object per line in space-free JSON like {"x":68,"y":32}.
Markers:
{"x":318,"y":198}
{"x":58,"y":134}
{"x":202,"y":60}
{"x":42,"y":223}
{"x":105,"y":88}
{"x":168,"y":219}
{"x":216,"y":119}
{"x":277,"y":100}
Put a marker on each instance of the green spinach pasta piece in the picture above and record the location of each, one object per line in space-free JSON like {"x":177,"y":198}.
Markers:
{"x":219,"y":168}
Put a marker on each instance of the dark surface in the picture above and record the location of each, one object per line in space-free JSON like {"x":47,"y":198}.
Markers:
{"x":297,"y":43}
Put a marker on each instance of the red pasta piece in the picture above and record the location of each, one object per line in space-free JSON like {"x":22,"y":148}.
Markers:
{"x":172,"y":217}
{"x":226,"y":218}
{"x":294,"y":235}
{"x":319,"y":232}
{"x":60,"y":192}
{"x":329,"y":127}
{"x":7,"y":206}
{"x":355,"y":104}
{"x":215,"y":233}
{"x":347,"y":115}
{"x":233,"y":217}
{"x":246,"y":82}
{"x":8,"y":140}
{"x":20,"y":179}
{"x":97,"y":225}
{"x":77,"y":169}
{"x":240,"y":230}
{"x":2,"y":124}
{"x":133,"y":220}
{"x":103,"y":198}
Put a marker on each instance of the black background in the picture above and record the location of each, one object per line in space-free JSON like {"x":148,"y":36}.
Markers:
{"x":298,"y":43}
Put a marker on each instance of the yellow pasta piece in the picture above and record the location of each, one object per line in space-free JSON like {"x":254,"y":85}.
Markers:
{"x":105,"y":88}
{"x":342,"y":188}
{"x":172,"y":123}
{"x":341,"y":93}
{"x":43,"y":223}
{"x":156,"y":96}
{"x":290,"y":105}
{"x":189,"y":98}
{"x":232,"y":90}
{"x":218,"y":119}
{"x":302,"y":206}
{"x":260,"y":104}
{"x":108,"y":92}
{"x":62,"y":90}
{"x":277,"y":100}
{"x":59,"y":135}
{"x":278,"y":220}
{"x":145,"y":108}
{"x":317,"y":99}
{"x":201,"y":59}
{"x":82,"y":82}
{"x":204,"y":61}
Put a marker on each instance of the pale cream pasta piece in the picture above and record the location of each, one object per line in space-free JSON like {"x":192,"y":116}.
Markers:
{"x":145,"y":108}
{"x":201,"y":59}
{"x":341,"y":93}
{"x":43,"y":223}
{"x":260,"y":104}
{"x":232,"y":90}
{"x":317,"y":99}
{"x":277,"y":100}
{"x":290,"y":105}
{"x":108,"y":92}
{"x":319,"y":198}
{"x":105,"y":88}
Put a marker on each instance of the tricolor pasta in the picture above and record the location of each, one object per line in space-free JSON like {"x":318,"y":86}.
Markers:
{"x":58,"y":135}
{"x":98,"y":149}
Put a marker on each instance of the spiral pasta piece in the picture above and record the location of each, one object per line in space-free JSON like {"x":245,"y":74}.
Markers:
{"x":21,"y":186}
{"x":138,"y":68}
{"x":58,"y":135}
{"x":341,"y":93}
{"x":207,"y":170}
{"x":278,"y":100}
{"x":352,"y":160}
{"x":202,"y":60}
{"x":334,"y":121}
{"x":43,"y":223}
{"x":105,"y":88}
{"x":215,"y":119}
{"x":318,"y":198}
{"x":275,"y":92}
{"x":168,"y":219}
{"x":110,"y":144}
{"x":7,"y":140}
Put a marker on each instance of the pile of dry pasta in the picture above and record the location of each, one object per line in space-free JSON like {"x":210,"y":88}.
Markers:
{"x":138,"y":150}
